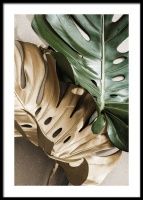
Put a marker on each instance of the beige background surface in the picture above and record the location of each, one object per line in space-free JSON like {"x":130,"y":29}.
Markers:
{"x":26,"y":155}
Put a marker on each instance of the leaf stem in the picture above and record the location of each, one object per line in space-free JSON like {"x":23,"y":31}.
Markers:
{"x":102,"y":67}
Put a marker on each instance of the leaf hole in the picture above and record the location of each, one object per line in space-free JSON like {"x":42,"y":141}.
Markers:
{"x":78,"y":104}
{"x":80,"y":55}
{"x":116,"y":17}
{"x":118,"y":78}
{"x":78,"y":91}
{"x":63,"y":89}
{"x":93,"y":117}
{"x":95,"y":98}
{"x":67,"y":139}
{"x":26,"y":125}
{"x":118,"y":60}
{"x":113,"y":95}
{"x":48,"y":120}
{"x":82,"y":32}
{"x":76,"y":163}
{"x":37,"y":111}
{"x":94,"y":82}
{"x":41,"y":91}
{"x":21,"y":53}
{"x":123,"y":47}
{"x":57,"y":132}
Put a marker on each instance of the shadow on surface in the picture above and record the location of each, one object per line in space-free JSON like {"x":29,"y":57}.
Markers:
{"x":33,"y":167}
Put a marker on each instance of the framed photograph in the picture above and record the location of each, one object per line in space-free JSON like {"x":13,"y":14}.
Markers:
{"x":71,"y":100}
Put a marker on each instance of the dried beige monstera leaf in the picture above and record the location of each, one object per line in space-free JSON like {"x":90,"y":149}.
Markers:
{"x":56,"y":121}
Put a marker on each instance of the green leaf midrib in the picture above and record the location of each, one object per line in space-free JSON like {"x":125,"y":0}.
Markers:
{"x":102,"y":67}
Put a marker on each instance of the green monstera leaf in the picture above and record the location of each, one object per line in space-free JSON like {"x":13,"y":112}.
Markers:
{"x":90,"y":43}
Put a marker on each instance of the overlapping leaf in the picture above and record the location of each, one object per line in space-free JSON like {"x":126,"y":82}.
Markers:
{"x":90,"y":43}
{"x":56,"y":121}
